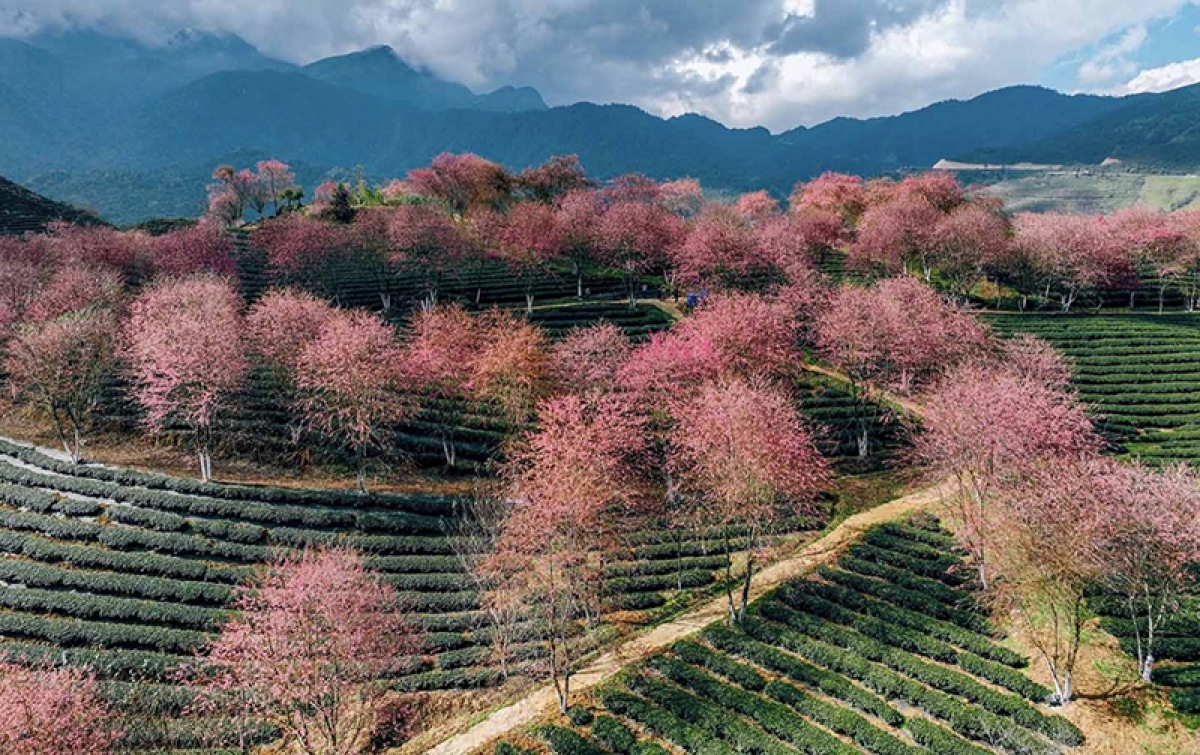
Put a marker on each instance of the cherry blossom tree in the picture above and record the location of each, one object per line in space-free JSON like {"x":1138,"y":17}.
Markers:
{"x":578,"y":218}
{"x":426,"y":242}
{"x":186,"y":352}
{"x":986,"y":424}
{"x":91,"y":247}
{"x":528,"y":240}
{"x":577,"y":492}
{"x":53,"y":711}
{"x":74,"y":287}
{"x":720,"y":249}
{"x":757,"y":205}
{"x":442,"y":346}
{"x":203,"y":247}
{"x":349,"y":380}
{"x":20,"y":282}
{"x":309,"y":642}
{"x":1080,"y":254}
{"x":463,"y":182}
{"x":634,"y":240}
{"x":308,"y":252}
{"x":1033,"y":358}
{"x":1149,"y":545}
{"x":232,"y":193}
{"x":281,"y":324}
{"x":590,"y":358}
{"x":509,"y":367}
{"x":896,"y":234}
{"x":1045,"y":559}
{"x":274,"y":178}
{"x":740,"y":335}
{"x":61,"y":365}
{"x":552,"y":180}
{"x":836,"y":193}
{"x":964,"y":242}
{"x":683,"y":197}
{"x":744,"y":457}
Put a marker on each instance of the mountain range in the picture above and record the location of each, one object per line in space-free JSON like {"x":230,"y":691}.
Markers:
{"x":133,"y":130}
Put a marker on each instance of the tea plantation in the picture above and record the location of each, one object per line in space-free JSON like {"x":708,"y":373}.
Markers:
{"x":883,"y":653}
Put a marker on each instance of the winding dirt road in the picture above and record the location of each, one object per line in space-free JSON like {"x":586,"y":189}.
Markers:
{"x":817,"y":553}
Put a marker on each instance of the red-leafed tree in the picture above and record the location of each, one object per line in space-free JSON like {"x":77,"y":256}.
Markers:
{"x":348,"y":380}
{"x":187,"y":356}
{"x":590,"y":358}
{"x":986,"y":424}
{"x":1149,"y":546}
{"x":634,"y":240}
{"x":577,"y":494}
{"x":203,"y":248}
{"x":309,"y":642}
{"x":426,"y":242}
{"x":53,"y":711}
{"x":528,"y":240}
{"x":743,"y":457}
{"x":60,"y":366}
{"x":442,"y":346}
{"x":463,"y":182}
{"x":281,"y":324}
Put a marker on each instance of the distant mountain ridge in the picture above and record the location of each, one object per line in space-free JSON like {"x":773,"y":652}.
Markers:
{"x":134,"y":130}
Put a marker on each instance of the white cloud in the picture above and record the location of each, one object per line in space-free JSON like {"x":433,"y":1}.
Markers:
{"x":1163,"y":78}
{"x":744,"y":62}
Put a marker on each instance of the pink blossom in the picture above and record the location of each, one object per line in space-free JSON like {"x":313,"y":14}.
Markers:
{"x":53,"y":711}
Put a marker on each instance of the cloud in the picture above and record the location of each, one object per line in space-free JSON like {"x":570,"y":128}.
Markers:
{"x":1113,"y":61}
{"x":744,"y":62}
{"x":1166,"y":77}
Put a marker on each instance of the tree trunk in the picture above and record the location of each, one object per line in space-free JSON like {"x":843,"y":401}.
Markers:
{"x":528,"y":303}
{"x":746,"y":587}
{"x":449,"y":452}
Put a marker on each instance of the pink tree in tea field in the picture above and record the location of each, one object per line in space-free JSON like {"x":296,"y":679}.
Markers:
{"x":897,"y":333}
{"x":578,"y":220}
{"x":964,"y":242}
{"x":202,"y":248}
{"x":463,"y":182}
{"x":53,"y":711}
{"x":60,"y":365}
{"x":281,"y":324}
{"x":634,"y":239}
{"x":274,"y":178}
{"x":1031,"y":357}
{"x":683,"y":197}
{"x":304,"y":250}
{"x":310,"y":641}
{"x":428,"y":243}
{"x":349,"y":380}
{"x":757,"y":206}
{"x":743,"y":456}
{"x":1149,"y":544}
{"x":836,"y":193}
{"x":442,"y":345}
{"x":896,"y":234}
{"x":1080,"y":255}
{"x":1045,"y":558}
{"x":124,"y":252}
{"x":528,"y":240}
{"x":577,"y":493}
{"x":590,"y":359}
{"x":554,"y":179}
{"x":509,"y":366}
{"x":186,"y":352}
{"x":986,"y":424}
{"x":75,"y":287}
{"x":719,"y":249}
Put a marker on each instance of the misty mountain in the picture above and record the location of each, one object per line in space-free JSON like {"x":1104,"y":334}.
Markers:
{"x":201,"y":100}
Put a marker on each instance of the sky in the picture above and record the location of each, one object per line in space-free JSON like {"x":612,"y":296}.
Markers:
{"x":775,"y":63}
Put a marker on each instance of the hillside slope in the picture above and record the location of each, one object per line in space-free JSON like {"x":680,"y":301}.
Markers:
{"x":22,"y":211}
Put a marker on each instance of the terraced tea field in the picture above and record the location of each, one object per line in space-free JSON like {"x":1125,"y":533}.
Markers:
{"x":128,"y":571}
{"x":884,"y":653}
{"x":1140,"y":373}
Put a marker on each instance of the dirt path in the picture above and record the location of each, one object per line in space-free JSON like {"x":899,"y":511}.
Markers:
{"x":815,"y":554}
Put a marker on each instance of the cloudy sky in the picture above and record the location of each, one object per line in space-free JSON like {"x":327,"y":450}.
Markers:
{"x":776,"y":63}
